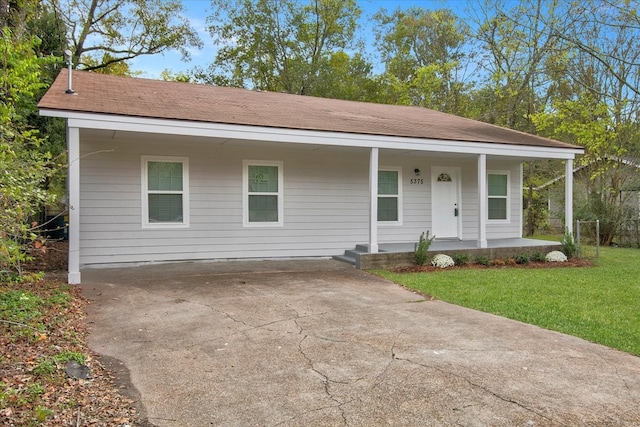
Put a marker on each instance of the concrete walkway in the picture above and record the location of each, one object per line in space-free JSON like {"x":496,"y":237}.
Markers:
{"x":318,"y":343}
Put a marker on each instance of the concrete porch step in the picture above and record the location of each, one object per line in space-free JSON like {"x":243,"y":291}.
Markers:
{"x":352,"y":256}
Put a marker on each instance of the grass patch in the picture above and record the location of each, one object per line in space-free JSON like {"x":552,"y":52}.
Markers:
{"x":599,"y":303}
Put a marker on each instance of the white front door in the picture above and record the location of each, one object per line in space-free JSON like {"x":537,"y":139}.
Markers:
{"x":445,"y":203}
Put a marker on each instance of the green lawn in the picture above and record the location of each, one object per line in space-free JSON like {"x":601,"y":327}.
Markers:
{"x":600,"y":303}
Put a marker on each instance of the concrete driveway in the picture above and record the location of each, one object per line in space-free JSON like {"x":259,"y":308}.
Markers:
{"x":318,"y":343}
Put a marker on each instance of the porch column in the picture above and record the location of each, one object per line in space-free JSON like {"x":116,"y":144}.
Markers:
{"x":568,"y":195}
{"x":482,"y":201}
{"x":373,"y":201}
{"x":73,"y":203}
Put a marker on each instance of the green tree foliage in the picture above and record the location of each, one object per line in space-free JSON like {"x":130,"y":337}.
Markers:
{"x":283,"y":45}
{"x":23,"y":167}
{"x":169,"y":76}
{"x":594,"y":103}
{"x":50,"y":30}
{"x":107,"y":32}
{"x":425,"y":58}
{"x":341,"y":76}
{"x":520,"y":41}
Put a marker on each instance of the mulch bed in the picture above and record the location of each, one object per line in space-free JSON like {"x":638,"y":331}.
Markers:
{"x":497,"y":264}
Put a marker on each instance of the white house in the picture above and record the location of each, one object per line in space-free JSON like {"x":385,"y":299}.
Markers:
{"x":165,"y":171}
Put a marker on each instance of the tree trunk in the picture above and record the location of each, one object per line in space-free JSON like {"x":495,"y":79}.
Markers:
{"x":530,"y":212}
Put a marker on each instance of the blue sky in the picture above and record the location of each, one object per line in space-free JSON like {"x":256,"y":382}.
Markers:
{"x":198,"y":10}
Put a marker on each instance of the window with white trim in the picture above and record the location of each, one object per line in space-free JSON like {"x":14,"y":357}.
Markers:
{"x":263,"y":193}
{"x":389,"y":195}
{"x":498,"y":196}
{"x":165,"y":196}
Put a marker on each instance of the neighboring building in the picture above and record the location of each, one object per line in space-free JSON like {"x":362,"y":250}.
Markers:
{"x":592,"y":178}
{"x":165,"y":171}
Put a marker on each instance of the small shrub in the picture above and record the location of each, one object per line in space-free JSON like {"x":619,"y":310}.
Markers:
{"x":67,"y":355}
{"x":42,"y":413}
{"x":422,"y":248}
{"x":461,"y":259}
{"x":44,"y":368}
{"x":569,"y":246}
{"x":483,"y":260}
{"x":442,"y":261}
{"x":522,"y":259}
{"x":538,"y":257}
{"x":35,"y":389}
{"x":556,"y":256}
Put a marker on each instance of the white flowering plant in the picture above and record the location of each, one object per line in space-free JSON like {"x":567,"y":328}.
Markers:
{"x":442,"y":261}
{"x":556,"y":256}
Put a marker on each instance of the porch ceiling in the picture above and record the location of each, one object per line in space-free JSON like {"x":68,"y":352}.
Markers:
{"x":120,"y":136}
{"x":146,"y":137}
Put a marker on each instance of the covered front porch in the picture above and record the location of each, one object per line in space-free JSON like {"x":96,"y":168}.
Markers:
{"x":391,"y":255}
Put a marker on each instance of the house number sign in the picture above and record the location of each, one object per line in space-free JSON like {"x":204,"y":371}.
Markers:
{"x":416,"y":181}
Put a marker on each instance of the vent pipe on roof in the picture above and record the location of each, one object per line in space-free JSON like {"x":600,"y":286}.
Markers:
{"x":69,"y":80}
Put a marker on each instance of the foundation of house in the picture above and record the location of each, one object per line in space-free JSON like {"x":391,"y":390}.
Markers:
{"x":391,"y":255}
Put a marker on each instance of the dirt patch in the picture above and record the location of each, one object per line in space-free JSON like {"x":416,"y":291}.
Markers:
{"x":52,"y":258}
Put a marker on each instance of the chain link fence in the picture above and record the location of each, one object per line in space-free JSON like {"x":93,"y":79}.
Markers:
{"x":588,"y":238}
{"x":629,"y":234}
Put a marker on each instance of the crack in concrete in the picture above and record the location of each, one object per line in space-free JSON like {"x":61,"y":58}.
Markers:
{"x":326,"y":381}
{"x":616,"y":370}
{"x":378,"y":378}
{"x":483,"y":388}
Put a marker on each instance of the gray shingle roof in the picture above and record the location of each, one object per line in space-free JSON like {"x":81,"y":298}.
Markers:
{"x":117,"y":95}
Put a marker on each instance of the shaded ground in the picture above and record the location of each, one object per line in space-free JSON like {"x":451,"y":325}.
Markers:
{"x":42,"y":327}
{"x":51,"y":260}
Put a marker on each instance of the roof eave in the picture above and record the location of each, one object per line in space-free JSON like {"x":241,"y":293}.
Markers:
{"x":100,"y":121}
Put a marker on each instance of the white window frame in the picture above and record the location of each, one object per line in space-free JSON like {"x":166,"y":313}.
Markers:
{"x":398,"y":196}
{"x":507,"y":197}
{"x":245,"y":193}
{"x":185,"y":193}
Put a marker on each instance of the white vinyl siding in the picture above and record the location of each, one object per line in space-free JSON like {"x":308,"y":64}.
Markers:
{"x":498,"y":195}
{"x":325,"y":201}
{"x":263,"y":193}
{"x":390,"y":196}
{"x":325,"y":204}
{"x":165,"y":195}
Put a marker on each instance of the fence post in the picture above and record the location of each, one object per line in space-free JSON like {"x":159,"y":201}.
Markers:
{"x":577,"y":238}
{"x":597,"y":238}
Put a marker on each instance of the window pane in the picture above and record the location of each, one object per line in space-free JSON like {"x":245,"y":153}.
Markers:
{"x":388,"y":182}
{"x":387,"y":208}
{"x":165,"y":207}
{"x":164,"y":176}
{"x":263,"y":179}
{"x":263,"y":208}
{"x":497,"y":185}
{"x":497,"y":208}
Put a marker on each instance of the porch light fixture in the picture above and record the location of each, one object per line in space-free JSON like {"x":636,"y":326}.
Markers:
{"x":417,"y":171}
